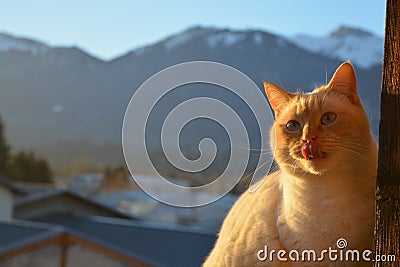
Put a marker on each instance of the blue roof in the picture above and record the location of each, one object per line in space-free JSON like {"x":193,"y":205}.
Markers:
{"x":165,"y":244}
{"x":11,"y":186}
{"x":16,"y":233}
{"x":54,"y":193}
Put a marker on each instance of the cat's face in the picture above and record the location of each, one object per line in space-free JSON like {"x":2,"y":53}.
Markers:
{"x":320,"y":131}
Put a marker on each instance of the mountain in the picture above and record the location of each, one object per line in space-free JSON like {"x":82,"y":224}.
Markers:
{"x":361,"y":47}
{"x":9,"y":42}
{"x":69,"y":106}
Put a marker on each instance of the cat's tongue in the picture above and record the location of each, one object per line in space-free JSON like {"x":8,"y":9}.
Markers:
{"x":311,"y":150}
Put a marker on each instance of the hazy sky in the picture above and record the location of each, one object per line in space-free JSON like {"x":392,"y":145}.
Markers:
{"x":109,"y":28}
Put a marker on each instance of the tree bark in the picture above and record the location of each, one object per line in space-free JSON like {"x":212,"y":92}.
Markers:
{"x":387,"y":228}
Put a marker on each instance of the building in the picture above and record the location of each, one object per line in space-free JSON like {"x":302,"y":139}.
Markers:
{"x":165,"y":244}
{"x":54,"y":227}
{"x":61,"y":202}
{"x":33,"y":244}
{"x":8,"y":191}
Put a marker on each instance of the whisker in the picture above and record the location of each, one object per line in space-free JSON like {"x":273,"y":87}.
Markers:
{"x":353,"y":151}
{"x":254,"y":171}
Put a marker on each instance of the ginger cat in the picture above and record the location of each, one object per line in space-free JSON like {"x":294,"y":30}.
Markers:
{"x":324,"y":189}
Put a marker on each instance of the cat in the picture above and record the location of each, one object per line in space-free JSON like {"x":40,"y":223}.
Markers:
{"x":324,"y":190}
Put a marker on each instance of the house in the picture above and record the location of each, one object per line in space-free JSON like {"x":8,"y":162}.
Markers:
{"x":30,"y":244}
{"x":57,"y":227}
{"x":165,"y":244}
{"x":7,"y":192}
{"x":61,"y":201}
{"x":141,"y":206}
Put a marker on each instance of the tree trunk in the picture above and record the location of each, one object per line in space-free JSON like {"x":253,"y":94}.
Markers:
{"x":387,"y":228}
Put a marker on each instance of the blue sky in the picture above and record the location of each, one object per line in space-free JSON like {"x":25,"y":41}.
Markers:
{"x":109,"y":28}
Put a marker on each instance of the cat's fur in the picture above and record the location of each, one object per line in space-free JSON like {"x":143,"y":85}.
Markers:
{"x":308,"y":204}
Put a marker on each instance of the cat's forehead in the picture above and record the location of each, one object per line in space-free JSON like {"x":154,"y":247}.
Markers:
{"x":305,"y":105}
{"x":307,"y":102}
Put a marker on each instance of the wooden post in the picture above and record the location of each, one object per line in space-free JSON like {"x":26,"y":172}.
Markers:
{"x":387,"y":228}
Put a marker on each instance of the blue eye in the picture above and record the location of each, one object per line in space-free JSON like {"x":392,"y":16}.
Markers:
{"x":293,"y":126}
{"x":328,"y":118}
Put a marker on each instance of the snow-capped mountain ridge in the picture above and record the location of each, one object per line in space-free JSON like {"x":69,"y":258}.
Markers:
{"x":345,"y":43}
{"x":346,"y":31}
{"x":185,"y":36}
{"x":9,"y":43}
{"x":361,"y":47}
{"x":212,"y":37}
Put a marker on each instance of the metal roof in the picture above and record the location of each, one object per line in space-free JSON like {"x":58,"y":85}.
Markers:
{"x":18,"y":235}
{"x":11,"y":186}
{"x":50,"y":194}
{"x":168,"y":245}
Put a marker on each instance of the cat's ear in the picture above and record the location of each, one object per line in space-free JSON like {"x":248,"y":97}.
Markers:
{"x":344,"y":82}
{"x":277,"y":96}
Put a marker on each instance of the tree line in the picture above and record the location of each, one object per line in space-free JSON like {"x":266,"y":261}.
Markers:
{"x":22,"y":165}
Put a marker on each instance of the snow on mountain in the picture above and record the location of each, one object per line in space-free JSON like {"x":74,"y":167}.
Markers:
{"x":213,"y":37}
{"x":179,"y":39}
{"x":360,"y":47}
{"x":8,"y":43}
{"x":227,"y":38}
{"x":258,"y":38}
{"x":185,"y":36}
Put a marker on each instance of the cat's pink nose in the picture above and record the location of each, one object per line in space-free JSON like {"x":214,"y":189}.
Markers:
{"x":309,"y":137}
{"x":311,"y":150}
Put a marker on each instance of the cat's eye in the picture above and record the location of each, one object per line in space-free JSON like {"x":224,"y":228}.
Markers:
{"x":293,"y":126}
{"x":328,"y":118}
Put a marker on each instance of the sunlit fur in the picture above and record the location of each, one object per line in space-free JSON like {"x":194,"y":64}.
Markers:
{"x":308,"y":204}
